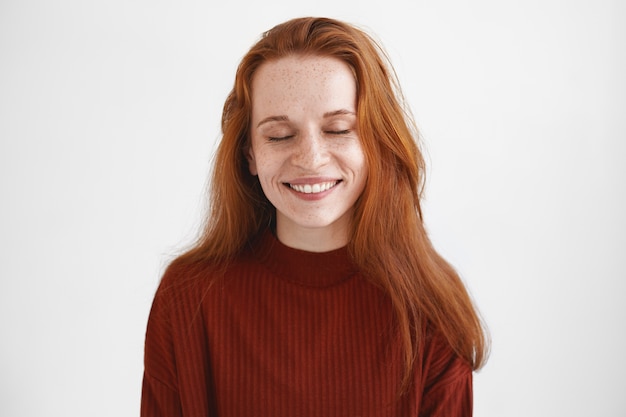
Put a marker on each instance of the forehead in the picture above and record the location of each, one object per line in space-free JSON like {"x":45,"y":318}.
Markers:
{"x":297,"y":78}
{"x":295,"y":66}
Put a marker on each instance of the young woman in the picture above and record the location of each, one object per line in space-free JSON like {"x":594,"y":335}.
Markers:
{"x":314,"y":289}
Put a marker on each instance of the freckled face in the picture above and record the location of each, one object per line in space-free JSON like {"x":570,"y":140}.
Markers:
{"x":305,"y":146}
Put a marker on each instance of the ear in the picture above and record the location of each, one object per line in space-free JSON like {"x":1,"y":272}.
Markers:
{"x":251,"y":160}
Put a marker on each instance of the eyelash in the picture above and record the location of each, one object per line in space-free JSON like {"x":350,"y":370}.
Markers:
{"x":339,"y":132}
{"x":331,"y":132}
{"x":275,"y":139}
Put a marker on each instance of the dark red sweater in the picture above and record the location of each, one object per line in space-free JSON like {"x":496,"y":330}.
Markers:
{"x":283,"y":332}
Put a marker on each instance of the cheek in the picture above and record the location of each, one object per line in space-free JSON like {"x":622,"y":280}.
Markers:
{"x":256,"y":157}
{"x":362,"y":171}
{"x":252,"y":165}
{"x":359,"y":160}
{"x":267,"y":167}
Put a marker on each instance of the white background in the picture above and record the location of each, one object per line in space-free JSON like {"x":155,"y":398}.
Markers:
{"x":109,"y":113}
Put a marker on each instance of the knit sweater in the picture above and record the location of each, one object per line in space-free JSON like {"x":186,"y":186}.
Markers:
{"x":284,"y":332}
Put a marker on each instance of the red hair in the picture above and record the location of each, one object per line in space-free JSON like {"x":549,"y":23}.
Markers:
{"x":388,"y":240}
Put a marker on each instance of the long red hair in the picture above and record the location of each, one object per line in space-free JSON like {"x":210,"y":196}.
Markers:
{"x":388,"y":240}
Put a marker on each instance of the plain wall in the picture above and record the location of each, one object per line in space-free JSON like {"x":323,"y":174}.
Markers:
{"x":109,"y":114}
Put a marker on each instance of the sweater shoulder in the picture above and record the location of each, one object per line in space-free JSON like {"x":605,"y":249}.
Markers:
{"x":440,"y":363}
{"x":186,"y":282}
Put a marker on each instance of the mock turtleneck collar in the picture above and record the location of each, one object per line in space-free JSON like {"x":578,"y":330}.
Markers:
{"x":315,"y":269}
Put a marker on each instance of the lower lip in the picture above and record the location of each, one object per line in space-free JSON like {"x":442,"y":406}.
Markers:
{"x":312,"y":196}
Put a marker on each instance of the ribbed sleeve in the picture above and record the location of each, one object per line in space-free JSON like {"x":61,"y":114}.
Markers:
{"x":159,"y":399}
{"x":282,"y":332}
{"x":160,"y":395}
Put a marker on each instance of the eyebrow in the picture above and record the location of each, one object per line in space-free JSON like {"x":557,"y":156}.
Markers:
{"x":339,"y":112}
{"x":273,"y":119}
{"x":326,"y":115}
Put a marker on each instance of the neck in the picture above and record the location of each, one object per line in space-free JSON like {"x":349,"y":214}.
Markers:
{"x":322,"y":239}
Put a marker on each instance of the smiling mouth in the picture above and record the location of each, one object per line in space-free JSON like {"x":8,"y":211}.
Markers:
{"x":313,"y":188}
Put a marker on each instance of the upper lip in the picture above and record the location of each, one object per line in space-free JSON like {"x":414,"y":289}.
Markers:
{"x":311,"y":180}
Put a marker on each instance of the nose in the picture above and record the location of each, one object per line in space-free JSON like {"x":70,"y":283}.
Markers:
{"x":310,"y":151}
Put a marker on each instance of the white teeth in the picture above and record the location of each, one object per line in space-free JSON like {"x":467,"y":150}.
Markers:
{"x":313,"y":188}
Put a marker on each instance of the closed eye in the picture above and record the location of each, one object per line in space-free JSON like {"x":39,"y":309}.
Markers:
{"x":338,"y":132}
{"x":279,"y":138}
